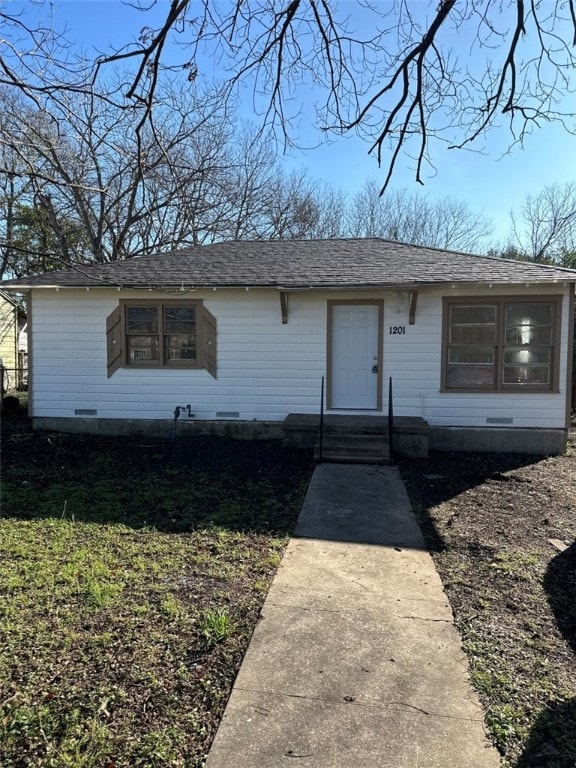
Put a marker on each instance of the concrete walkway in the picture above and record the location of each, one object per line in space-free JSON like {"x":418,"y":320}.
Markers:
{"x":355,"y":662}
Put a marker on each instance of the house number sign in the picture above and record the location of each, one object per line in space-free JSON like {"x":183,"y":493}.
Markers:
{"x":397,"y":330}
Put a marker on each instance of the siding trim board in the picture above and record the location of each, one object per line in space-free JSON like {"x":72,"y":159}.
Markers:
{"x":29,"y":331}
{"x":570,"y":383}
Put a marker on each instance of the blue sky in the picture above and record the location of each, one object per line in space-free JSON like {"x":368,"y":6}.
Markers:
{"x":490,"y":181}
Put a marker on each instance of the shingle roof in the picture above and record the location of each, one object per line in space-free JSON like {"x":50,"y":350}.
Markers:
{"x":303,"y":264}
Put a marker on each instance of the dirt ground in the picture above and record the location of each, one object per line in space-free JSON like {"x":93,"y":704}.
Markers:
{"x":501,"y":529}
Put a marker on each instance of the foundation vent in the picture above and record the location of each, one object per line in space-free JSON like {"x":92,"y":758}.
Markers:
{"x":227,"y":415}
{"x":85,"y":412}
{"x":499,"y":420}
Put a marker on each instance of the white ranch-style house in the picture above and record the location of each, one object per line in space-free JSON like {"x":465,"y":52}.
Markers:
{"x":479,"y":349}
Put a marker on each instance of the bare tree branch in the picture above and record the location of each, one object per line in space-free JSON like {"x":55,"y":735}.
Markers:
{"x":412,"y":217}
{"x":403,"y":87}
{"x":546,"y":226}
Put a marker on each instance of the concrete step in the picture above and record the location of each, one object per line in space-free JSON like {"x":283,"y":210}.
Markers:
{"x":411,"y":433}
{"x":353,"y":449}
{"x":355,"y":438}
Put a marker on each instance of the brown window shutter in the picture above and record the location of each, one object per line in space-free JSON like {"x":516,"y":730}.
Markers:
{"x":207,"y":356}
{"x":114,"y":340}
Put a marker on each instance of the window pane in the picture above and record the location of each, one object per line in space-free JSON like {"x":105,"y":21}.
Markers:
{"x":472,"y":314}
{"x":473,"y":334}
{"x":471,"y":355}
{"x":474,"y":324}
{"x":142,"y":348}
{"x":470,"y":376}
{"x":523,"y":356}
{"x":180,"y":319}
{"x":182,"y":347}
{"x":526,"y":374}
{"x":529,"y":324}
{"x":141,"y":320}
{"x":538,"y":314}
{"x":525,"y":334}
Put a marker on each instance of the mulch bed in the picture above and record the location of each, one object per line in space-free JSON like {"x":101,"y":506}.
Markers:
{"x":501,"y":529}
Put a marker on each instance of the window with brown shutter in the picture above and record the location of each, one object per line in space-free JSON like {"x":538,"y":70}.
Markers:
{"x":161,"y":334}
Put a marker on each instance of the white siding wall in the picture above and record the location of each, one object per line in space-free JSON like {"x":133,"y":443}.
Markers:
{"x":265,"y":369}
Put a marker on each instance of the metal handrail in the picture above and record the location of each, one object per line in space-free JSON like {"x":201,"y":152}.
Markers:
{"x":390,"y":422}
{"x":321,"y":442}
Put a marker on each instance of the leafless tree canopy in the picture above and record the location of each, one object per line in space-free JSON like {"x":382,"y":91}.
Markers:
{"x":544,"y":230}
{"x":404,"y":86}
{"x":412,"y":217}
{"x":78,"y":185}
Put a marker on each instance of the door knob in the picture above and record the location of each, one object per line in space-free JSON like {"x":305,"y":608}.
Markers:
{"x":374,"y":369}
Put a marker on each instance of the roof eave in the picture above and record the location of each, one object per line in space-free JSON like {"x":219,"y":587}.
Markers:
{"x":309,"y":286}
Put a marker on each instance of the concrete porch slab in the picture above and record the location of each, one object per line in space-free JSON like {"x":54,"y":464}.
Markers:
{"x":410,"y":434}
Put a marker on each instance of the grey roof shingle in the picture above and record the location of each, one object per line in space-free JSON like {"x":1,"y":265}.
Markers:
{"x":303,"y":264}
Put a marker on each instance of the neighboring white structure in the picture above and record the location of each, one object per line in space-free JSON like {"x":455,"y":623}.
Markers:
{"x":246,"y":331}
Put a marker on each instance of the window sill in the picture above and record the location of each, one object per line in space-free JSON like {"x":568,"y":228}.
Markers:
{"x":506,"y":391}
{"x":162,"y":366}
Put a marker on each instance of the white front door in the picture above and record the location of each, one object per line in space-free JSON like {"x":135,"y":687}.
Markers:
{"x":354,"y":370}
